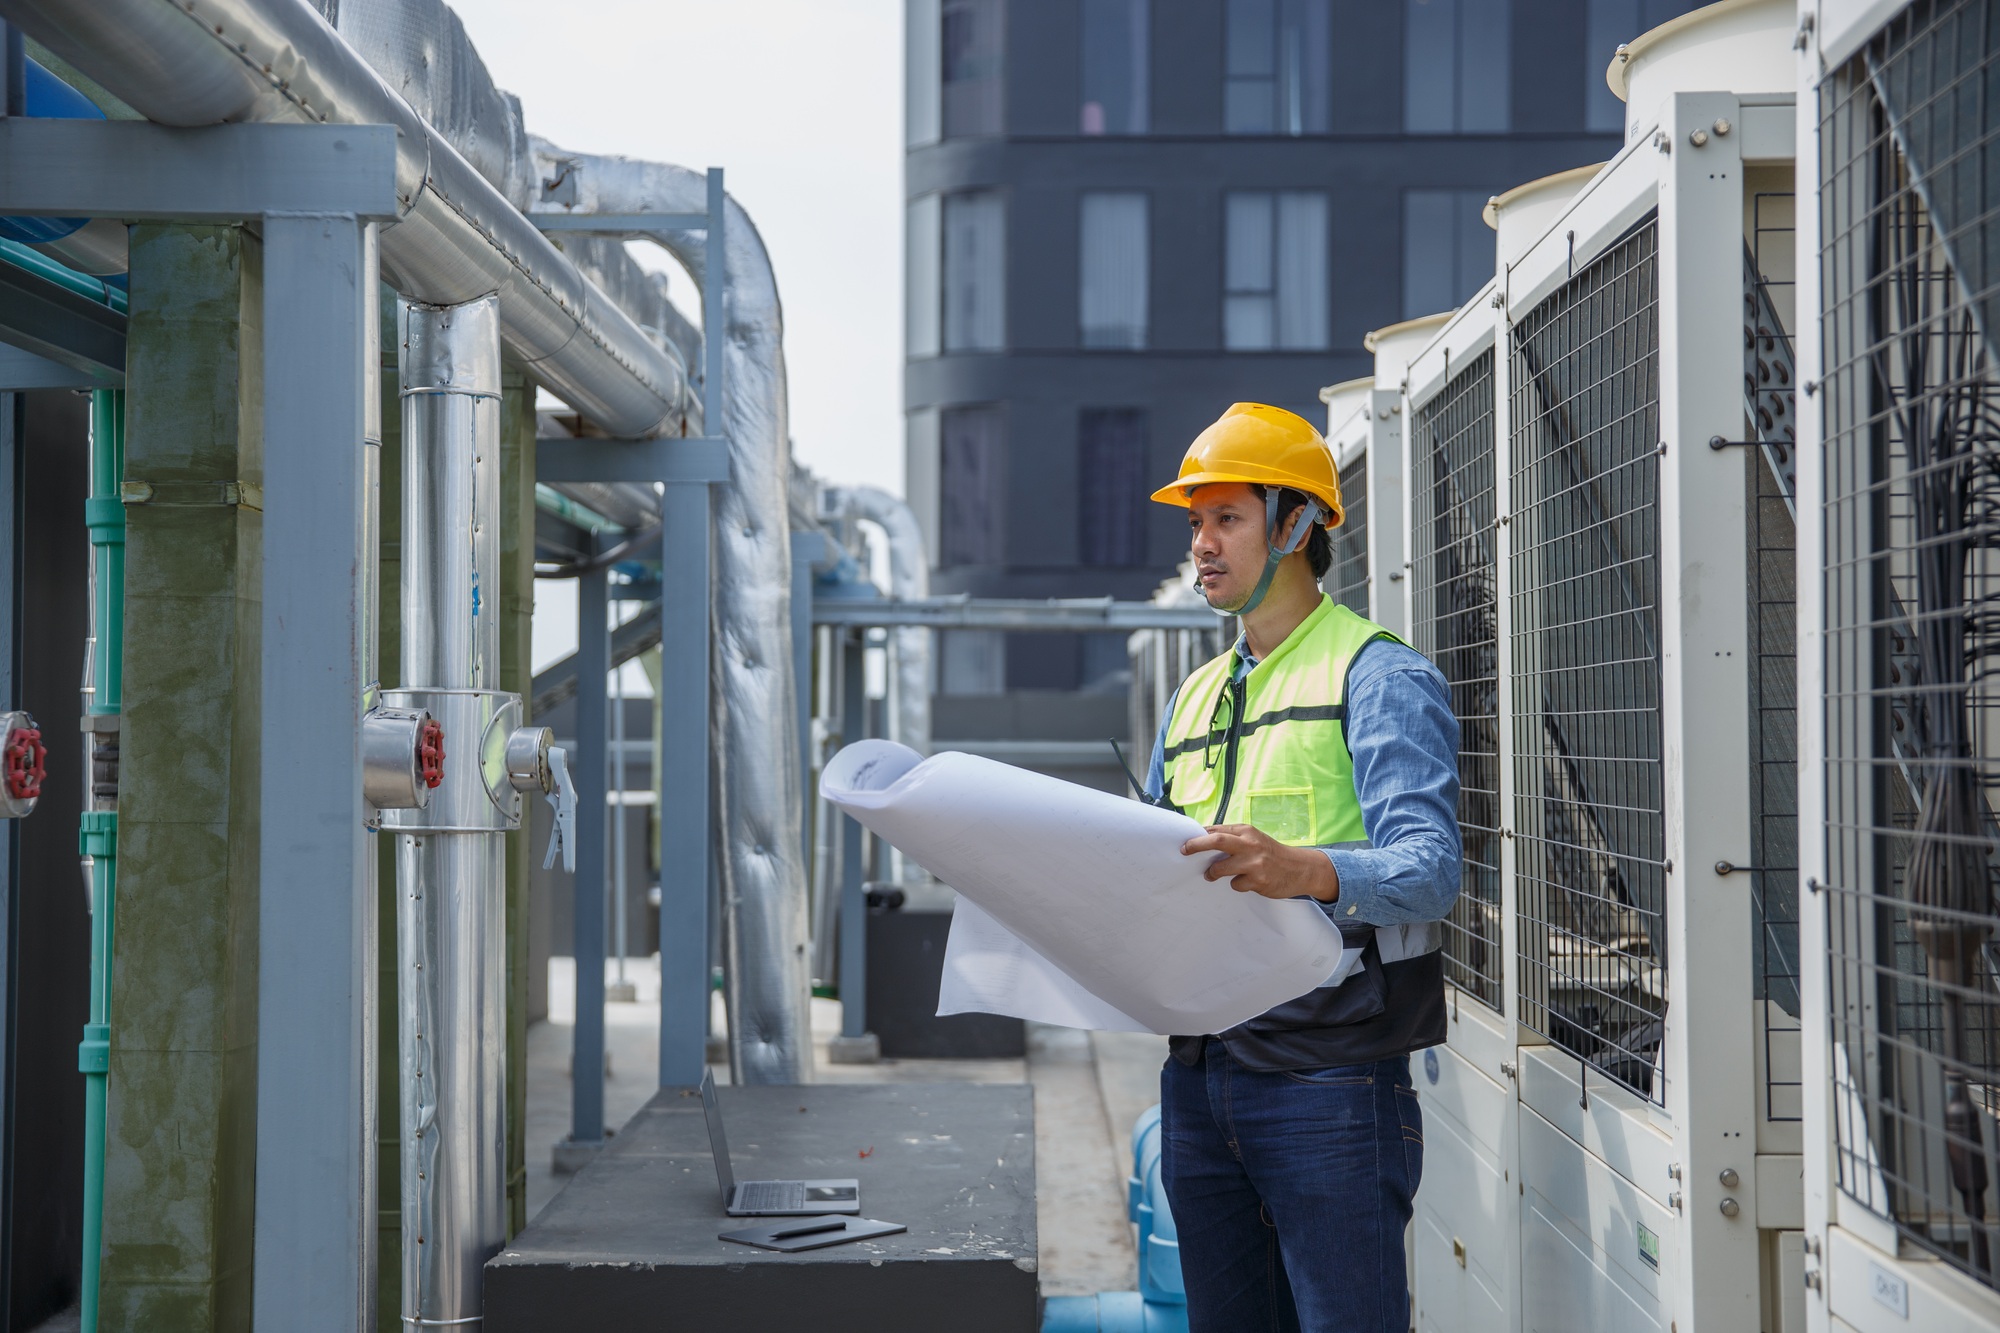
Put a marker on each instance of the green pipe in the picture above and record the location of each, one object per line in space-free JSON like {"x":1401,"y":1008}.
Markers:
{"x":552,"y":501}
{"x":39,"y":264}
{"x":104,"y":515}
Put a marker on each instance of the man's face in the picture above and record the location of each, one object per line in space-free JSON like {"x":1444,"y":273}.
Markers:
{"x":1226,"y":527}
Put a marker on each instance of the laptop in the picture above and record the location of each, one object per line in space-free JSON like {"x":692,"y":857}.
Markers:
{"x":770,"y":1198}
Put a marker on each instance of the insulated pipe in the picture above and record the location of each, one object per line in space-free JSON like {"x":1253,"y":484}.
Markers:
{"x":205,"y":62}
{"x":909,"y":577}
{"x":451,"y":882}
{"x":756,"y":719}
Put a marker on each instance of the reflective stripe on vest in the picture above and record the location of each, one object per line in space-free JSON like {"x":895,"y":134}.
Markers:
{"x":1271,"y":750}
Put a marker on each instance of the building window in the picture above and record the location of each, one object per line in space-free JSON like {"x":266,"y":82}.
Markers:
{"x":1277,"y":54}
{"x":922,"y":245}
{"x":1275,"y":272}
{"x":971,"y":488}
{"x":1112,"y":490}
{"x":1447,"y":249}
{"x":1455,"y":66}
{"x":1111,"y":270}
{"x":1115,"y":58}
{"x":970,"y":67}
{"x":975,"y":272}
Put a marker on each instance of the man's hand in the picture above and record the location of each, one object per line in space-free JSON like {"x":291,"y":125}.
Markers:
{"x":1255,"y":862}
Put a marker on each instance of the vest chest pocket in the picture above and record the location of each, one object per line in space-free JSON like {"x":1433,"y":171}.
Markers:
{"x":1286,"y":813}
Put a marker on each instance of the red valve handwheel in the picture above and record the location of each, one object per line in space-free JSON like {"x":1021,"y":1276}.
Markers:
{"x":26,"y":763}
{"x":430,"y":752}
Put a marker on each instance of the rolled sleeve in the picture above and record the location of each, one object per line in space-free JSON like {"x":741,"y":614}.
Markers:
{"x":1403,"y":737}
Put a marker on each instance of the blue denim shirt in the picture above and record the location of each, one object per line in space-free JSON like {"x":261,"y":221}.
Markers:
{"x":1404,"y":739}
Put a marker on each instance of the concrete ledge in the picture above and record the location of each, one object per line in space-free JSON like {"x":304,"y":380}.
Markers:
{"x":862,"y":1050}
{"x":632,"y":1239}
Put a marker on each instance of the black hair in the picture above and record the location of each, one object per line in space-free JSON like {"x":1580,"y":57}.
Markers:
{"x":1319,"y":545}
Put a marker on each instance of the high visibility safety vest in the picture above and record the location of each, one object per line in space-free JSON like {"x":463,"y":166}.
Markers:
{"x":1270,"y":750}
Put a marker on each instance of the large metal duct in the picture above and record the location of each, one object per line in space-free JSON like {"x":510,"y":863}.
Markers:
{"x":756,"y":719}
{"x":451,"y":858}
{"x":204,"y":62}
{"x":909,"y":576}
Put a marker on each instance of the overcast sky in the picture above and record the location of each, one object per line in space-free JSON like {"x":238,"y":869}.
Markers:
{"x":801,"y":102}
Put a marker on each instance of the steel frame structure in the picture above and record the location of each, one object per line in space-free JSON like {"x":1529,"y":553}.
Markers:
{"x":313,"y":190}
{"x":687,"y":468}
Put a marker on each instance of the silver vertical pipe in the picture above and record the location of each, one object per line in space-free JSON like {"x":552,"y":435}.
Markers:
{"x":451,"y":901}
{"x":369,"y":608}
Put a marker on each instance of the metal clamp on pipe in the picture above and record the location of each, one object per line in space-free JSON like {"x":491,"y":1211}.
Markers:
{"x":23,"y":765}
{"x":402,"y":759}
{"x":528,"y":759}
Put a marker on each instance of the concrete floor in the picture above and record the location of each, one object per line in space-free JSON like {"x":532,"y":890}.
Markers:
{"x":1089,"y":1088}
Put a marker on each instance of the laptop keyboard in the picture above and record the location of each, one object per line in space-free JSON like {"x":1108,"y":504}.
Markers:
{"x":758,"y":1196}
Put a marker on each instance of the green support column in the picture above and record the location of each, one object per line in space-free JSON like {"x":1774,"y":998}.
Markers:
{"x":517,"y":612}
{"x":389,"y":609}
{"x":180,"y":1154}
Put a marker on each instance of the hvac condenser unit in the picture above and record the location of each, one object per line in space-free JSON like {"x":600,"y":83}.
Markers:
{"x":1599,"y":481}
{"x":1901,"y":528}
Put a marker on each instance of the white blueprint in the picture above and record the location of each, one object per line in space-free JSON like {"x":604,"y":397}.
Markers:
{"x":1076,"y":906}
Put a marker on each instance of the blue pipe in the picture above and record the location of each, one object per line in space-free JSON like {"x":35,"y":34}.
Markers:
{"x":1160,"y":1304}
{"x":50,"y":98}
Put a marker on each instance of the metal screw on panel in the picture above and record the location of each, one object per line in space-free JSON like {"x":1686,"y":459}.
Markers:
{"x":1731,"y":1208}
{"x":1730,"y":1180}
{"x":1674,"y":1170}
{"x":1699,"y":138}
{"x":1812,"y":1279}
{"x":1674,"y":1201}
{"x":1722,"y":126}
{"x":1508,"y":1069}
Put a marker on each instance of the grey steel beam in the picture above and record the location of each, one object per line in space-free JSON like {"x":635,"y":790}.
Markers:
{"x":22,"y":370}
{"x":138,"y":171}
{"x":590,"y":775}
{"x":1050,"y":615}
{"x":853,"y":932}
{"x":47,"y":320}
{"x":316,"y":1212}
{"x":686,"y":858}
{"x":556,"y":684}
{"x":668,"y":459}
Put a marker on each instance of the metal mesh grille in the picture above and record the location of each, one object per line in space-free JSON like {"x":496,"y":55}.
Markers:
{"x":1583,"y":589}
{"x":1454,"y":624}
{"x":1347,"y":579}
{"x":1769,"y":393}
{"x":1908,"y":133}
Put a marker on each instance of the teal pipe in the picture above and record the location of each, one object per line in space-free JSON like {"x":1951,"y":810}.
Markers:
{"x":104,"y":515}
{"x":39,"y":264}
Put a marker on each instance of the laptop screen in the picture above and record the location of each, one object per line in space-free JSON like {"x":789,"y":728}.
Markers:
{"x":718,"y":1143}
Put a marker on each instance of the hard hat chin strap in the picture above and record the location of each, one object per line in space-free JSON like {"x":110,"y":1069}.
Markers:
{"x":1308,"y":516}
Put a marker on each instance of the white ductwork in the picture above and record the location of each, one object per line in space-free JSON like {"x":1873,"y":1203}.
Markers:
{"x":756,"y":718}
{"x":205,"y":62}
{"x":909,"y":576}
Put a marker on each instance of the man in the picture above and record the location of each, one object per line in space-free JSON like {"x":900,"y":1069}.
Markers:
{"x":1321,"y":754}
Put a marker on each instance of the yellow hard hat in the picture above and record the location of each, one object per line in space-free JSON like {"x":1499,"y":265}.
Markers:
{"x":1264,"y":446}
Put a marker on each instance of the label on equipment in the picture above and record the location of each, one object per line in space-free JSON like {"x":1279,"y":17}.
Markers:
{"x":1890,"y":1291}
{"x":1649,"y":1247}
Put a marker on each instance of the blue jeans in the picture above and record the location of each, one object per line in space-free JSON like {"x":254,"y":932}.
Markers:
{"x":1291,"y":1191}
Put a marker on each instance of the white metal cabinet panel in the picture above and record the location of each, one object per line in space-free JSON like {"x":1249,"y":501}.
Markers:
{"x":1874,"y":1292}
{"x":1581,"y":1239}
{"x":1465,"y":1245}
{"x":1616,"y":1127}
